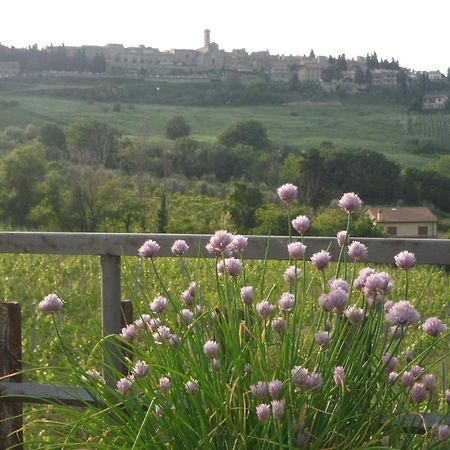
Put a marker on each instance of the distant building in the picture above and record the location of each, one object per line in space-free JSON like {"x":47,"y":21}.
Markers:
{"x":405,"y":222}
{"x":310,"y":71}
{"x":435,"y":75}
{"x":434,"y":102}
{"x":9,"y":69}
{"x":384,"y":77}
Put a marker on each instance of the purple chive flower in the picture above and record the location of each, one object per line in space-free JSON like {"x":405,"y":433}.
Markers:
{"x":179,"y":247}
{"x":153,"y":324}
{"x":447,"y":396}
{"x":354,"y":314}
{"x":275,"y":388}
{"x":248,"y":370}
{"x":187,"y":298}
{"x":174,"y":340}
{"x":296,"y":250}
{"x":164,"y":332}
{"x":392,"y":376}
{"x":286,"y":302}
{"x":277,"y":409}
{"x":159,"y":304}
{"x":220,"y":268}
{"x":239,"y":243}
{"x":142,"y":321}
{"x":390,"y":362}
{"x":443,"y":432}
{"x":186,"y":317}
{"x":360,"y":281}
{"x":402,"y":314}
{"x":191,"y":386}
{"x":326,"y":303}
{"x":407,"y":380}
{"x":213,"y":251}
{"x":210,"y":349}
{"x":377,"y":283}
{"x":339,"y":376}
{"x":221,"y":240}
{"x":429,"y":381}
{"x":287,"y":193}
{"x":291,"y":274}
{"x":321,"y":259}
{"x":50,"y":304}
{"x":300,"y":377}
{"x":124,"y":385}
{"x":164,"y":384}
{"x":300,"y":224}
{"x":418,"y":392}
{"x":338,"y":298}
{"x":384,"y":441}
{"x":340,"y":283}
{"x":350,"y":203}
{"x":263,"y":412}
{"x":278,"y":324}
{"x":247,"y":295}
{"x":215,"y":364}
{"x":129,"y":332}
{"x":140,"y":369}
{"x":416,"y":371}
{"x":409,"y":356}
{"x":159,"y":411}
{"x":341,"y":237}
{"x":388,"y":304}
{"x":233,"y":266}
{"x":149,"y":249}
{"x":93,"y":375}
{"x":322,"y":338}
{"x":434,"y":326}
{"x":259,"y":390}
{"x":264,"y":309}
{"x":314,"y":381}
{"x":405,"y":260}
{"x":357,"y":251}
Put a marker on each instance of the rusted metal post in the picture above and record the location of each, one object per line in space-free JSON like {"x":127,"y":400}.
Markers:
{"x":111,"y":316}
{"x":10,"y":364}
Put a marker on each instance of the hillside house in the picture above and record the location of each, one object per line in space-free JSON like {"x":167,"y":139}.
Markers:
{"x":9,"y":69}
{"x":406,"y":222}
{"x":433,"y":102}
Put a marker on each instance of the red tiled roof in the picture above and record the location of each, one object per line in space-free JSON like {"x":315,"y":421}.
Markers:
{"x":402,"y":214}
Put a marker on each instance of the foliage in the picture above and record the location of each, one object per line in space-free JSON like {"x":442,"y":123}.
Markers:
{"x":244,"y":200}
{"x":177,"y":127}
{"x":246,"y":132}
{"x":92,"y":142}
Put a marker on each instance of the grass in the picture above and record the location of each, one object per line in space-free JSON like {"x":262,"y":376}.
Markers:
{"x":377,"y":127}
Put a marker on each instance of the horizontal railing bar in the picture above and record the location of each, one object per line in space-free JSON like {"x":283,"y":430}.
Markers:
{"x":78,"y":396}
{"x":45,"y":393}
{"x":381,"y":250}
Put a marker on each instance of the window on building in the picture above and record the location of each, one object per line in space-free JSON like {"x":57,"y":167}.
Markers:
{"x":423,"y":231}
{"x":392,"y":231}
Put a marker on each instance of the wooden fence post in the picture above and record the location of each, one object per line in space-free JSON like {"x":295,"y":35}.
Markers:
{"x":111,"y":314}
{"x":11,"y":434}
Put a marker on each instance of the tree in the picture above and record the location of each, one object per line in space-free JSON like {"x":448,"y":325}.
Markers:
{"x":312,"y":54}
{"x":53,"y":139}
{"x":246,"y":132}
{"x":244,"y":200}
{"x":176,"y":127}
{"x":163,"y":214}
{"x":92,"y":142}
{"x":21,"y":171}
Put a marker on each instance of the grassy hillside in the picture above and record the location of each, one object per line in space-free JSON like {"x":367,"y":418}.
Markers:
{"x":381,"y":128}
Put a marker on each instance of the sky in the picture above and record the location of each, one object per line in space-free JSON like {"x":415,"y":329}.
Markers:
{"x":412,"y":31}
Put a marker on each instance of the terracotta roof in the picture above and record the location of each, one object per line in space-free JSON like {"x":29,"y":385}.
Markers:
{"x":403,"y":214}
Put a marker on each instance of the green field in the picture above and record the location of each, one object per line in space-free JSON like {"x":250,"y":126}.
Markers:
{"x":377,"y":127}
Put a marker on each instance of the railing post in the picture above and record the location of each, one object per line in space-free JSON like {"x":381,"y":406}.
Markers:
{"x":111,"y":314}
{"x":10,"y":363}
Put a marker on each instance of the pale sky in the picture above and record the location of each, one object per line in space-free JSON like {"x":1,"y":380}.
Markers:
{"x":413,"y":31}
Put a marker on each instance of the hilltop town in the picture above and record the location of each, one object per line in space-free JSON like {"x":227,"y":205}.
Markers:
{"x":208,"y":59}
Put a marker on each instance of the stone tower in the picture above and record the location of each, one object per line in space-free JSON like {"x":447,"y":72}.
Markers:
{"x":207,"y":38}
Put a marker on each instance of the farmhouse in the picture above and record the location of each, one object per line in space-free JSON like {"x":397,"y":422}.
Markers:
{"x":9,"y":69}
{"x":434,"y":101}
{"x":406,"y":222}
